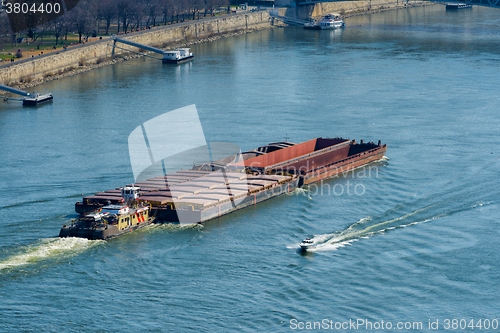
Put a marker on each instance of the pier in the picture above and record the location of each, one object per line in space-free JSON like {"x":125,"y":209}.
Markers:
{"x":29,"y":99}
{"x":166,"y":55}
{"x":286,"y":19}
{"x":14,"y":90}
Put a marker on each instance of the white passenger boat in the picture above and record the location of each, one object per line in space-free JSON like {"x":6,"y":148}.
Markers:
{"x":177,"y":56}
{"x":329,"y":21}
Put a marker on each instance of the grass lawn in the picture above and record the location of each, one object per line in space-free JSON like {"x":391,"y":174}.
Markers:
{"x":34,"y":48}
{"x":47,"y":43}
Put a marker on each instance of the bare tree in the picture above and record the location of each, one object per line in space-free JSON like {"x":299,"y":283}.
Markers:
{"x":123,"y":11}
{"x":223,"y":3}
{"x":151,"y":10}
{"x":136,"y":14}
{"x":209,"y":6}
{"x":81,"y":19}
{"x":94,"y":12}
{"x":87,"y":15}
{"x":5,"y":29}
{"x":107,"y":9}
{"x":57,"y":27}
{"x":194,"y":6}
{"x":167,"y":9}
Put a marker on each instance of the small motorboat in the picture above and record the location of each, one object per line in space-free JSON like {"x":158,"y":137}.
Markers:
{"x":307,"y":244}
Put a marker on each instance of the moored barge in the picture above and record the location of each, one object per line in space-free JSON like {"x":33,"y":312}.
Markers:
{"x":457,"y":6}
{"x":214,"y":189}
{"x":177,"y":56}
{"x":37,"y":99}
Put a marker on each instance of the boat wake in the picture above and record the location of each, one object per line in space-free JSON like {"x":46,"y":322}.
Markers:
{"x":301,"y":191}
{"x":364,"y":229}
{"x":172,"y":227}
{"x":67,"y":247}
{"x":441,"y":202}
{"x":368,"y":227}
{"x":46,"y":249}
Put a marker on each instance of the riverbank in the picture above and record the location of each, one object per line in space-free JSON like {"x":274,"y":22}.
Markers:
{"x":31,"y":72}
{"x":85,"y":67}
{"x":77,"y":59}
{"x":351,"y":8}
{"x":417,"y":233}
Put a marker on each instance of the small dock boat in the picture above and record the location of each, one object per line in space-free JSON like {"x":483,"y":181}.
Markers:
{"x":312,"y":24}
{"x":456,"y":6}
{"x":328,"y":22}
{"x":307,"y":244}
{"x":37,"y":99}
{"x":177,"y":56}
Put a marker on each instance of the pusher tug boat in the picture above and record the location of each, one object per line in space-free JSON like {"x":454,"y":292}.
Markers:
{"x":111,"y":220}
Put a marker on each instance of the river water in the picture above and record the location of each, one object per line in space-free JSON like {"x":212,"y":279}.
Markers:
{"x":412,"y":240}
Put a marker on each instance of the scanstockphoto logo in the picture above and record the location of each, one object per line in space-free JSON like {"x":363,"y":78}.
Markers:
{"x":28,"y":14}
{"x":171,"y":151}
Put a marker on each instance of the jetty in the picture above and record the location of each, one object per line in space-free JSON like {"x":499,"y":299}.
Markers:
{"x":14,"y":90}
{"x":168,"y":57}
{"x":29,"y":99}
{"x":274,"y":14}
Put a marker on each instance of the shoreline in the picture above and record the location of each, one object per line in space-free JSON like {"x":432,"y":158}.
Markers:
{"x":83,"y":64}
{"x":31,"y":72}
{"x":121,"y":58}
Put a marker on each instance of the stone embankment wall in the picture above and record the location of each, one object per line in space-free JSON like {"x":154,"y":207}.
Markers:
{"x":350,"y":8}
{"x":77,"y":59}
{"x":53,"y":64}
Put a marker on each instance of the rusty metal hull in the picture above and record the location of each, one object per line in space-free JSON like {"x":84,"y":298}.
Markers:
{"x":344,"y":166}
{"x":99,"y":233}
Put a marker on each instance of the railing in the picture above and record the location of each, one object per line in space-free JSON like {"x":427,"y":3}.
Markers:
{"x":288,"y":20}
{"x":487,"y":3}
{"x":14,"y":90}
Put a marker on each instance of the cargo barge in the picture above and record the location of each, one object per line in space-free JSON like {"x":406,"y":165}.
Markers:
{"x":213,"y":189}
